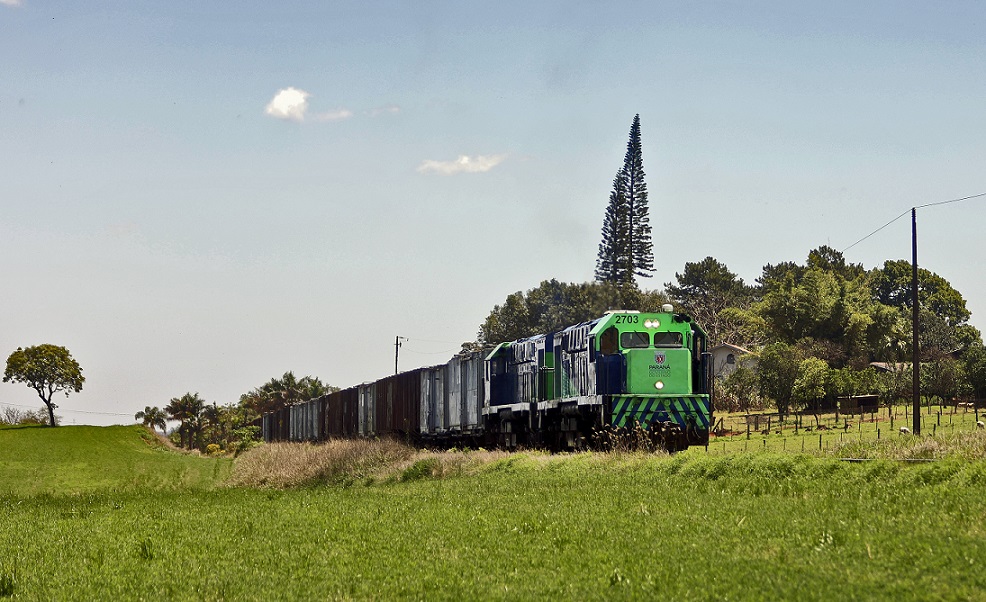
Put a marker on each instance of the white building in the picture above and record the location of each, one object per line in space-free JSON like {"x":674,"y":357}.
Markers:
{"x":725,"y":358}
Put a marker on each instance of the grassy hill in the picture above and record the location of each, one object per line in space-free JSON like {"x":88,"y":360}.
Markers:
{"x":85,"y":459}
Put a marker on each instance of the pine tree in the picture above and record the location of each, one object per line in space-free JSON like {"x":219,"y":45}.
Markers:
{"x":614,"y":262}
{"x":627,"y":247}
{"x":641,"y":241}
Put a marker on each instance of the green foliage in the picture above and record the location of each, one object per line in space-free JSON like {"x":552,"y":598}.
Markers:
{"x":975,"y":369}
{"x":705,"y":290}
{"x":827,"y":309}
{"x":943,"y":314}
{"x":892,"y":286}
{"x":829,"y":260}
{"x":245,"y":438}
{"x":278,"y":393}
{"x":186,"y":409}
{"x":48,"y":369}
{"x":738,"y":391}
{"x":777,"y":371}
{"x":897,"y":384}
{"x":627,"y":245}
{"x":811,"y":381}
{"x":944,"y":378}
{"x":614,"y":263}
{"x":554,"y":305}
{"x":846,"y":381}
{"x":153,"y":417}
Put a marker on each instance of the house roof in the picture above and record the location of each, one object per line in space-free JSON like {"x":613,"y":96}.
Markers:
{"x":889,"y":366}
{"x":733,"y":348}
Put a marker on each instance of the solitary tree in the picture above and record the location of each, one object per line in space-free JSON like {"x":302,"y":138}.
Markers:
{"x":48,"y":369}
{"x":627,"y":248}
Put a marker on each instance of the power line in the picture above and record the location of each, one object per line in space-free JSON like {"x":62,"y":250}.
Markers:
{"x":965,"y":198}
{"x":877,"y":230}
{"x":61,"y":409}
{"x":429,"y":341}
{"x":429,"y":352}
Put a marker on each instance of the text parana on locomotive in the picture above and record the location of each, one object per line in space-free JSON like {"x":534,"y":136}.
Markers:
{"x":625,"y":370}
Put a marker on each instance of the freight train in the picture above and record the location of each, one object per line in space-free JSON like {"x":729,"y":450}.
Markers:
{"x":645,"y":373}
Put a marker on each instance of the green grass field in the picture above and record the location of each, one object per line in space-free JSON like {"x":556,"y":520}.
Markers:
{"x":82,"y":459}
{"x":758,"y":432}
{"x":696,"y":526}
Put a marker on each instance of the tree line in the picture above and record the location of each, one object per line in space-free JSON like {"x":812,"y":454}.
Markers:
{"x":214,"y":428}
{"x":813,"y":328}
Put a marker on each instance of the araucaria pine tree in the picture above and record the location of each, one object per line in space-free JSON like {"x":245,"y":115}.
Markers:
{"x":627,"y":248}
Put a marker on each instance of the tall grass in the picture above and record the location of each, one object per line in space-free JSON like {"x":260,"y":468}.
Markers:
{"x":349,"y":461}
{"x":968,"y":445}
{"x":343,"y":461}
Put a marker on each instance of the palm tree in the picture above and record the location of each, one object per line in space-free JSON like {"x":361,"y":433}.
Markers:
{"x":213,"y":423}
{"x":152,"y":417}
{"x":186,"y":409}
{"x":281,"y":392}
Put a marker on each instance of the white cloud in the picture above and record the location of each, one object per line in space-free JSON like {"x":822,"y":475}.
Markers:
{"x":10,"y":2}
{"x":464,"y":164}
{"x":289,"y":103}
{"x":337,"y":115}
{"x":384,"y":110}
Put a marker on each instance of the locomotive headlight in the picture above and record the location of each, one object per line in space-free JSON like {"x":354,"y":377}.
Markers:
{"x":659,"y":385}
{"x":652,"y":324}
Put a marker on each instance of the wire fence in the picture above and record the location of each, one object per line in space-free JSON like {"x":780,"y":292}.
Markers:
{"x":807,"y":432}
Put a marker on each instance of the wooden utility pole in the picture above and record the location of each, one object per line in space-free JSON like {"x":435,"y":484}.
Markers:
{"x":915,"y":317}
{"x":397,"y":348}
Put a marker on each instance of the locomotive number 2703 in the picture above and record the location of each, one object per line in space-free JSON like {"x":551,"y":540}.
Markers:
{"x":627,"y":319}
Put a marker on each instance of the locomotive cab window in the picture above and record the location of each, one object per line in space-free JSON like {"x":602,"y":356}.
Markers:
{"x":667,"y":339}
{"x":634,"y":340}
{"x":608,"y":341}
{"x":497,"y":366}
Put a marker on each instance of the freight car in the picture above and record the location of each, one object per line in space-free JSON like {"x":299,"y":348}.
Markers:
{"x":647,"y":372}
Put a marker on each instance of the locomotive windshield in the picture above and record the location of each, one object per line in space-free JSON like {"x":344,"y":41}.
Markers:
{"x":608,"y":340}
{"x":667,"y":339}
{"x":634,"y":340}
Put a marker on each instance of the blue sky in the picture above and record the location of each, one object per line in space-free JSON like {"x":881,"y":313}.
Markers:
{"x":197,"y":198}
